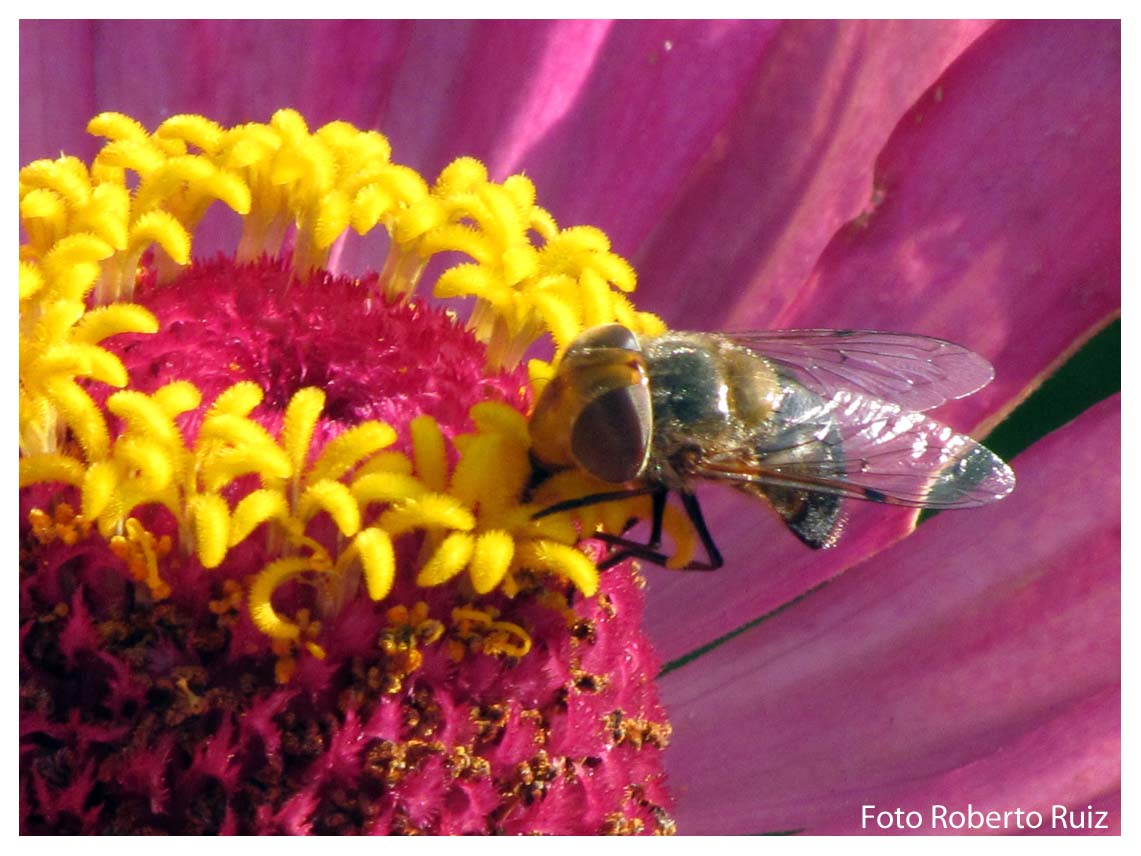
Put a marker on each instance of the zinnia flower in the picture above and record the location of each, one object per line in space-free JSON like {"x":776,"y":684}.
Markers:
{"x":957,"y":179}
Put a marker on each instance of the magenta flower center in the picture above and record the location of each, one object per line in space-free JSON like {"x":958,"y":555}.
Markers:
{"x":279,"y":568}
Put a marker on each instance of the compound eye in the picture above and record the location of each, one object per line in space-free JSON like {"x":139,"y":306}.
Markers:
{"x":605,"y":336}
{"x":611,"y":436}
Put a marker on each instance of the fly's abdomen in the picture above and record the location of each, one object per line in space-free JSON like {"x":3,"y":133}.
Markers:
{"x":801,"y":443}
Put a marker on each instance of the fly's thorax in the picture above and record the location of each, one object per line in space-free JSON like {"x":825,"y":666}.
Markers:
{"x":709,"y":396}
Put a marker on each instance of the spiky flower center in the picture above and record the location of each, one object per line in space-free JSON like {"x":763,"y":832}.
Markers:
{"x":88,"y":232}
{"x":318,"y":469}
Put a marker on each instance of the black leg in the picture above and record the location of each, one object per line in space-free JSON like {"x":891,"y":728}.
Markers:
{"x":627,"y":548}
{"x":649,"y":552}
{"x":689,"y":500}
{"x":659,"y":513}
{"x":595,"y":499}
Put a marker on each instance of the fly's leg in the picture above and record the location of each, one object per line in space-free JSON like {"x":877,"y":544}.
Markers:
{"x":689,"y":501}
{"x":649,"y":551}
{"x":594,"y":499}
{"x":627,"y":548}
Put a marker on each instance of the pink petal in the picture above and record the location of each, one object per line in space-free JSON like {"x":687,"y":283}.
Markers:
{"x":999,"y":228}
{"x":57,"y":87}
{"x":611,"y":120}
{"x":985,"y":646}
{"x":765,"y":568}
{"x":793,"y":165}
{"x":232,"y":71}
{"x":608,"y":117}
{"x":997,"y":221}
{"x":1057,"y":766}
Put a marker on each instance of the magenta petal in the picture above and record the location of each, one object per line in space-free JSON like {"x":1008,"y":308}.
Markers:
{"x":57,"y":89}
{"x":612,"y":118}
{"x":793,"y":165}
{"x":951,"y":658}
{"x":607,"y":117}
{"x":1066,"y":766}
{"x":997,"y":215}
{"x":231,"y":71}
{"x":766,"y":567}
{"x":999,"y":228}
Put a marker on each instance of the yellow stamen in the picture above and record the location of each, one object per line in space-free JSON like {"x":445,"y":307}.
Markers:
{"x":378,"y":559}
{"x":300,"y":421}
{"x":87,"y":230}
{"x":479,"y":630}
{"x":428,"y":452}
{"x":231,"y":599}
{"x":491,"y":559}
{"x":407,"y":630}
{"x":449,"y":558}
{"x":211,"y":516}
{"x":507,"y":638}
{"x":287,"y":648}
{"x":139,"y":548}
{"x":266,"y":618}
{"x":63,"y":524}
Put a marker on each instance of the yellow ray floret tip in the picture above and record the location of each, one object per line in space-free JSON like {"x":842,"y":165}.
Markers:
{"x":265,"y":617}
{"x":211,"y":516}
{"x":491,"y":559}
{"x":301,"y":416}
{"x":160,"y":227}
{"x":335,"y":499}
{"x":240,"y":399}
{"x":430,"y":511}
{"x":322,"y":182}
{"x":51,"y":467}
{"x":254,"y":509}
{"x":346,"y":451}
{"x":448,"y":559}
{"x":428,"y":452}
{"x":378,"y":560}
{"x":92,"y":231}
{"x":104,"y":321}
{"x":561,"y":560}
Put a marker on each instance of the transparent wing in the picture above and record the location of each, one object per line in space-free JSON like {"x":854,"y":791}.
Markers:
{"x":917,"y":372}
{"x":860,"y":447}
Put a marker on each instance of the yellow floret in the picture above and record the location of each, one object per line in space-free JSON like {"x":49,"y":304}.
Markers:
{"x":378,"y":561}
{"x":87,"y":230}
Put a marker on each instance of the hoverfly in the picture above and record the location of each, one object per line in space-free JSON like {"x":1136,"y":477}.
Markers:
{"x":800,"y":418}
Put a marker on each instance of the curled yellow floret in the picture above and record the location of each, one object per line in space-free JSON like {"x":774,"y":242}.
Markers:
{"x":91,"y":229}
{"x":88,"y":228}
